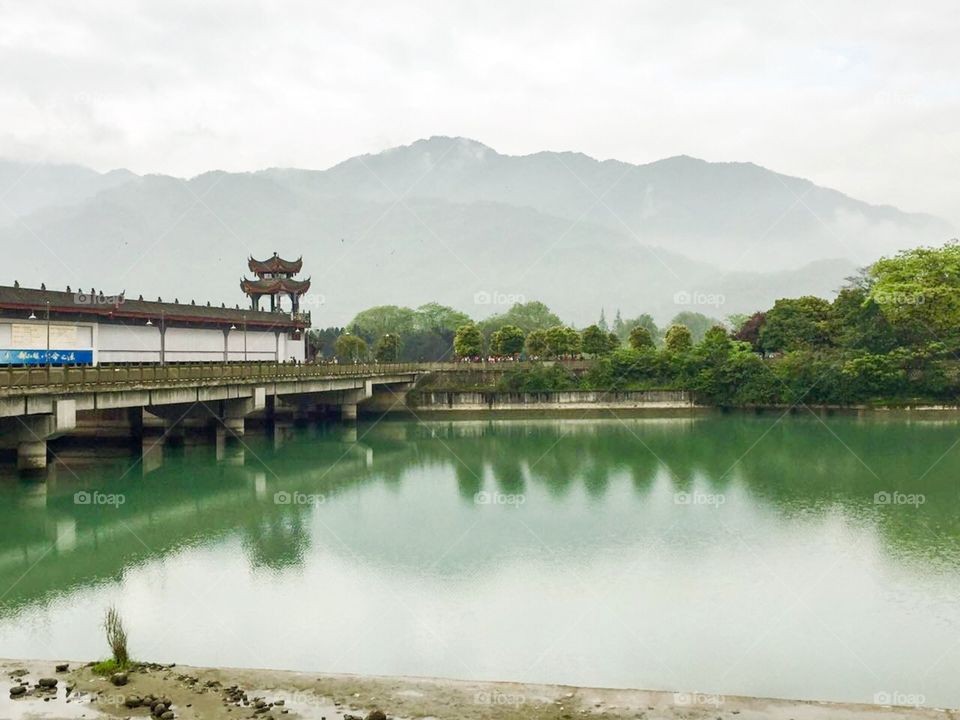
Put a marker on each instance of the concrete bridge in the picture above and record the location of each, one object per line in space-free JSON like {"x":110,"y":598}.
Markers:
{"x":40,"y":404}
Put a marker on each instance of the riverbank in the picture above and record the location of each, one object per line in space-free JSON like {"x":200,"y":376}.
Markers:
{"x":214,"y":693}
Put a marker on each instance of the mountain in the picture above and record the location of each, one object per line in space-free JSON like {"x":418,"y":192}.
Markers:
{"x":451,"y":220}
{"x":734,"y":215}
{"x":27,"y":187}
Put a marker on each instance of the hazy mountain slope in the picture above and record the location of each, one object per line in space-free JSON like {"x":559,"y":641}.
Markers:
{"x":189,"y":240}
{"x":733,"y":214}
{"x":27,"y":187}
{"x":450,"y":219}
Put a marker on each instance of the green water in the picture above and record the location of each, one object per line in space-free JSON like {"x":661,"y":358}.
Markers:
{"x":729,"y":554}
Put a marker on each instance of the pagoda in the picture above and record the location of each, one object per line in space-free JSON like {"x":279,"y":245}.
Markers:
{"x":275,"y":278}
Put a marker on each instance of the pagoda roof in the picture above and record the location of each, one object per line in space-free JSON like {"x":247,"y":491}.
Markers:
{"x":274,"y":286}
{"x":119,"y":308}
{"x":276,"y":264}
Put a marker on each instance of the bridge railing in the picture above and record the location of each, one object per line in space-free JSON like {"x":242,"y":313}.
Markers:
{"x":174,"y":374}
{"x":73,"y":378}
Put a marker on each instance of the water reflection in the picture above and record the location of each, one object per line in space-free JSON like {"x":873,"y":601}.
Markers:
{"x":398,"y":501}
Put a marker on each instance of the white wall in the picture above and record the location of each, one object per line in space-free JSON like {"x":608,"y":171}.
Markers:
{"x":114,"y":343}
{"x":128,"y":343}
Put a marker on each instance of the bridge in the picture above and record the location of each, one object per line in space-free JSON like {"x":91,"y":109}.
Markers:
{"x":40,"y":404}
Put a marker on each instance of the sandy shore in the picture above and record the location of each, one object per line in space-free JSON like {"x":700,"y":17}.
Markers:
{"x":207,"y":693}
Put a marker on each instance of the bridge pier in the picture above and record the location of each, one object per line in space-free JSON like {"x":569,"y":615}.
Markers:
{"x":234,"y":414}
{"x":35,"y":430}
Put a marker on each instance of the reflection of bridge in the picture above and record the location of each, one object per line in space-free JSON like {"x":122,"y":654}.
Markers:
{"x":37,"y":404}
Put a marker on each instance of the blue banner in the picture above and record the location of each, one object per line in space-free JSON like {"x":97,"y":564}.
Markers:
{"x":39,"y":357}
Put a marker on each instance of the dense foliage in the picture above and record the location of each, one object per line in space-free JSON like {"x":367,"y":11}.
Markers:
{"x":891,"y":335}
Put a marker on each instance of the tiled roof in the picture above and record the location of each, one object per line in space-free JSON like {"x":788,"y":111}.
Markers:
{"x":119,"y":307}
{"x":276,"y":264}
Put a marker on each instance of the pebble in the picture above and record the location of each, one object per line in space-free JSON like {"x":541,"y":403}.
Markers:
{"x":63,"y":667}
{"x":47,"y":682}
{"x":119,"y":678}
{"x":17,"y":690}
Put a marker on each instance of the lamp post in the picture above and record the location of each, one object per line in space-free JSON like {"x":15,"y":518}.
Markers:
{"x":48,"y":335}
{"x":245,"y":338}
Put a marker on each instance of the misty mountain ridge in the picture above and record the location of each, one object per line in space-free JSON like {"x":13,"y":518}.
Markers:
{"x":452,"y":220}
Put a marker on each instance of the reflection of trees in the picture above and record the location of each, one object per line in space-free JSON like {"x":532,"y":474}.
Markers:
{"x":277,"y":543}
{"x":796,"y":466}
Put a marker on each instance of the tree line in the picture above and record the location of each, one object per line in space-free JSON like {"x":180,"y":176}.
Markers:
{"x":892,"y":333}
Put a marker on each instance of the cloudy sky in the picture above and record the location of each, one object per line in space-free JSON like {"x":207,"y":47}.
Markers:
{"x":863,"y":97}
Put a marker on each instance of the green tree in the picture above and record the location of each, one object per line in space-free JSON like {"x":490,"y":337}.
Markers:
{"x":526,"y":316}
{"x":696,"y":323}
{"x":468,"y":341}
{"x":645,"y":321}
{"x":919,"y":292}
{"x":536,"y":343}
{"x":678,"y":339}
{"x":858,"y":322}
{"x":434,"y":317}
{"x":640,"y":338}
{"x":376,"y":321}
{"x":387,"y":348}
{"x":594,"y":341}
{"x":351,"y":348}
{"x":508,"y":340}
{"x":796,"y":324}
{"x":602,"y":322}
{"x":613,"y":341}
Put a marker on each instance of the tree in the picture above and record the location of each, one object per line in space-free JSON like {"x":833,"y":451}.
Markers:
{"x":508,"y":340}
{"x":696,"y":323}
{"x":640,"y":338}
{"x":351,"y":348}
{"x":748,"y":331}
{"x":573,"y":343}
{"x":387,"y":348}
{"x":613,"y":341}
{"x":377,"y":321}
{"x":858,"y":322}
{"x":678,"y":339}
{"x":562,"y":341}
{"x":536,"y":343}
{"x":618,"y":326}
{"x":594,"y":341}
{"x":602,"y":322}
{"x":434,"y":317}
{"x":796,"y":324}
{"x":918,"y":291}
{"x":526,"y":316}
{"x":642,"y":321}
{"x":468,"y":341}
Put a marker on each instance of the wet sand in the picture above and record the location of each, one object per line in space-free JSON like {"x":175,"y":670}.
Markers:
{"x":207,"y":693}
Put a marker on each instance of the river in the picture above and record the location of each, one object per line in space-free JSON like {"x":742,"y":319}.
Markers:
{"x":795,"y":557}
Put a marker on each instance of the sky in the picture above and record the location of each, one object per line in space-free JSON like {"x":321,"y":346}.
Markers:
{"x":862,"y":97}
